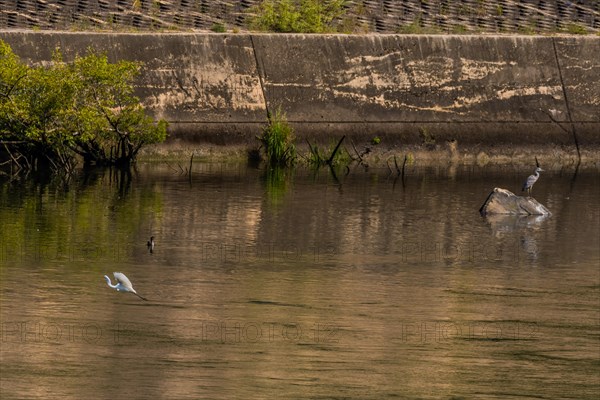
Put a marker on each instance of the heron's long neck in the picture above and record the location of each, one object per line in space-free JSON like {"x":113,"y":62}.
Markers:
{"x":109,"y":282}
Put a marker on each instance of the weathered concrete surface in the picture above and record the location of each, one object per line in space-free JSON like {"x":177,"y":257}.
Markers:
{"x":475,"y":87}
{"x":479,"y":90}
{"x":502,"y":201}
{"x":580,"y":74}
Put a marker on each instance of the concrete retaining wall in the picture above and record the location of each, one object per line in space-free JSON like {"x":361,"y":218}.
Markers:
{"x":402,"y":88}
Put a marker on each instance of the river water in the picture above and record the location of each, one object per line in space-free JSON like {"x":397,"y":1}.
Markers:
{"x":301,"y":285}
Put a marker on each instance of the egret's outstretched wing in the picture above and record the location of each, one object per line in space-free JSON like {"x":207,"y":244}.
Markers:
{"x":123,"y":280}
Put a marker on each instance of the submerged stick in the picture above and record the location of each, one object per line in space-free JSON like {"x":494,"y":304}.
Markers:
{"x":387,"y":162}
{"x":190,"y":169}
{"x":11,"y":155}
{"x":313,"y":152}
{"x":573,"y":132}
{"x":396,"y":164}
{"x":356,"y":151}
{"x":335,"y":150}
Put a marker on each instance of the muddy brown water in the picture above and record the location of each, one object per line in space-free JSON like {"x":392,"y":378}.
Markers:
{"x":298,"y":284}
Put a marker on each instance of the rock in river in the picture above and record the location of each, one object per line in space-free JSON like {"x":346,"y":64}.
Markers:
{"x":502,"y":201}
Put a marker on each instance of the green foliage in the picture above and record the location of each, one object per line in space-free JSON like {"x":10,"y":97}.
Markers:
{"x":459,"y":29}
{"x":218,"y":28}
{"x":527,"y":29}
{"x":277,"y":139}
{"x":333,"y":155}
{"x":33,"y":104}
{"x":11,"y":70}
{"x":575,"y":29}
{"x":316,"y":157}
{"x":300,"y":16}
{"x":341,"y":157}
{"x":427,"y":137}
{"x":416,"y":27}
{"x":50,"y":114}
{"x":109,"y":119}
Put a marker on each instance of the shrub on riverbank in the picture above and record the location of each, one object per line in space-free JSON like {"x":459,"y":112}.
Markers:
{"x":51,"y":114}
{"x":300,"y":16}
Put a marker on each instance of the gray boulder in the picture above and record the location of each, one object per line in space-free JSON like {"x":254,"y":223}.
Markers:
{"x":502,"y":201}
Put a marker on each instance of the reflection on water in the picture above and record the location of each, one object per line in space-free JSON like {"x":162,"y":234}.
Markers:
{"x":295,"y":284}
{"x":527,"y":227}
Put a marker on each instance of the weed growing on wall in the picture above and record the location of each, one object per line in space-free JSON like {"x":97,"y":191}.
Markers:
{"x":277,"y":139}
{"x":300,"y":16}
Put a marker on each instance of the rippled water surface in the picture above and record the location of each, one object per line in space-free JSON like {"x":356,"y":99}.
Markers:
{"x":299,"y":284}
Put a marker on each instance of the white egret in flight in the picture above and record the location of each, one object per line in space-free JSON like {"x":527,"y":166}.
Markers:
{"x":123,"y":284}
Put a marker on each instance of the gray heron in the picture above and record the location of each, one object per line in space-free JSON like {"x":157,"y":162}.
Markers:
{"x":123,"y":284}
{"x":528,"y":185}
